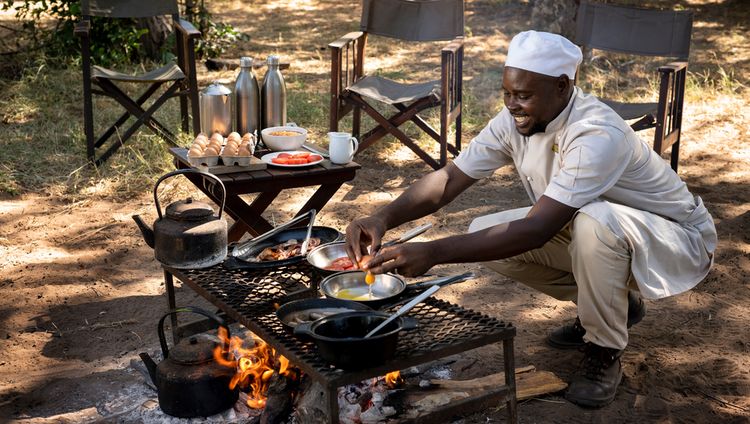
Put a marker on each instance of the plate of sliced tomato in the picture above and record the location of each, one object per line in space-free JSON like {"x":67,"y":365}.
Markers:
{"x":291,"y":159}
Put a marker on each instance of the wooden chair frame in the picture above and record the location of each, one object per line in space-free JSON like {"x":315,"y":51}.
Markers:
{"x":186,"y":89}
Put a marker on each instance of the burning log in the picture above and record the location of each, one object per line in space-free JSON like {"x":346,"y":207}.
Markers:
{"x":311,"y":403}
{"x":280,"y":397}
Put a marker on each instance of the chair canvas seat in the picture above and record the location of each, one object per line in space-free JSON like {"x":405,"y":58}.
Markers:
{"x":392,"y":92}
{"x":628,"y":111}
{"x":166,"y":73}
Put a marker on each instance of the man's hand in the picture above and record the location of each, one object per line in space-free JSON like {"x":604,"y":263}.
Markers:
{"x":363,"y":233}
{"x":408,"y":259}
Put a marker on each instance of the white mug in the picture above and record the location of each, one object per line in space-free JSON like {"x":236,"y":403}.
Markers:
{"x":341,"y":147}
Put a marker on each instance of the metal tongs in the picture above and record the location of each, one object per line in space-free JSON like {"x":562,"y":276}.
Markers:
{"x":405,"y":237}
{"x":240,"y":251}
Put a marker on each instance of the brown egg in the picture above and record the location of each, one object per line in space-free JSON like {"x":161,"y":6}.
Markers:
{"x":244,"y":150}
{"x":217,"y":137}
{"x":211,"y":151}
{"x":194,"y":152}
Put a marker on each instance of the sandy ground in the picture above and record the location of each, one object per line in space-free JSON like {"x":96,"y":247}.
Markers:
{"x":81,"y":292}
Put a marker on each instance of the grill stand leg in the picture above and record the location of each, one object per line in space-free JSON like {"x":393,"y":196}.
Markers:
{"x":510,"y":380}
{"x":169,"y":284}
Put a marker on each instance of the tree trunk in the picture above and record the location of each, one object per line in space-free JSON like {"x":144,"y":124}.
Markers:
{"x":555,"y":16}
{"x":159,"y":29}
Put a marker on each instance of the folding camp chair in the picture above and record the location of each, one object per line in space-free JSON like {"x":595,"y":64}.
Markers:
{"x":179,"y":79}
{"x":351,"y":89}
{"x":644,"y":32}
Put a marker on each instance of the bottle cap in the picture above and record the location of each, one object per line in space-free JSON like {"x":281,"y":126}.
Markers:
{"x":246,"y":62}
{"x":273,"y":60}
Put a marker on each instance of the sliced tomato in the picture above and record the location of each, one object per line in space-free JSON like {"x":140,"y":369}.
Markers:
{"x":284,"y":155}
{"x":298,"y":161}
{"x":301,"y":155}
{"x":340,"y":264}
{"x":280,"y":160}
{"x":314,"y":158}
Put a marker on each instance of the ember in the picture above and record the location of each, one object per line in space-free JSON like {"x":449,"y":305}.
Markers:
{"x":393,"y":379}
{"x":255,"y":366}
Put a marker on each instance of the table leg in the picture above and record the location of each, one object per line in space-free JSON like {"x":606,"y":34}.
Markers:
{"x":510,"y":380}
{"x":320,"y":198}
{"x":248,"y":218}
{"x":169,"y":284}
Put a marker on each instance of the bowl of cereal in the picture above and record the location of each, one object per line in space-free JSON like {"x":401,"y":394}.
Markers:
{"x":284,"y":138}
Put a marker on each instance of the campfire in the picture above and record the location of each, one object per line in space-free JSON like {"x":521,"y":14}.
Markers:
{"x":256,"y":367}
{"x":272,"y":384}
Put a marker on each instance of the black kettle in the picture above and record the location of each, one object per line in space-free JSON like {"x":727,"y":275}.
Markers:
{"x":188,"y":235}
{"x":190,"y":383}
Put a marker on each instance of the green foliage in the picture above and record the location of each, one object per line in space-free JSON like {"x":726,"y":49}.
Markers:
{"x":216,"y":37}
{"x":60,"y":41}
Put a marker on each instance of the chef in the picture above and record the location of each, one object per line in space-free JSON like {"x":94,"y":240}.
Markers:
{"x":609,"y":220}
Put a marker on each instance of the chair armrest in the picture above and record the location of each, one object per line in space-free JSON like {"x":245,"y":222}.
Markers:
{"x":348,"y":38}
{"x":187,"y":29}
{"x":82,"y":28}
{"x":451,"y":77}
{"x":454,"y":45}
{"x":673,"y":67}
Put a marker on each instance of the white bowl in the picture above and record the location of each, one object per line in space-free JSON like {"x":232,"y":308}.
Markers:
{"x":284,"y":142}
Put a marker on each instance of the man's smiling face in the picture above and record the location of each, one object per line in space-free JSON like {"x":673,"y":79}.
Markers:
{"x":534,"y":99}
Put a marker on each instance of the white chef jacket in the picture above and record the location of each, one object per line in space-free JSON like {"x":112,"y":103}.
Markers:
{"x":589,"y":158}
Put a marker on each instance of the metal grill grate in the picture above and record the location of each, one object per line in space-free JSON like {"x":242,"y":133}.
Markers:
{"x":248,"y":292}
{"x":248,"y":296}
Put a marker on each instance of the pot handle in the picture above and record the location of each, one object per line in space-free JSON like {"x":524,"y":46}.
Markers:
{"x":190,"y":171}
{"x":304,"y":328}
{"x":216,"y":318}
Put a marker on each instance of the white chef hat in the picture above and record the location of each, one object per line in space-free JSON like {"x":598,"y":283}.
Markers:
{"x":544,"y":53}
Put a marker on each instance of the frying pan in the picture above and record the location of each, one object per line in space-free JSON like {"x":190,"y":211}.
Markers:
{"x":387,"y":290}
{"x":325,"y":234}
{"x":291,"y":312}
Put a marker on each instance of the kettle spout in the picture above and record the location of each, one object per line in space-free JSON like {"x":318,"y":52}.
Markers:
{"x":150,"y":366}
{"x":148,"y":233}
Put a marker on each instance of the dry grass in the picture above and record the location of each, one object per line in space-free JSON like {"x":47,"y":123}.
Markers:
{"x":42,"y":147}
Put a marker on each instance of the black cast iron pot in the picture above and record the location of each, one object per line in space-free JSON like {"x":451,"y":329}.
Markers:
{"x":340,"y":338}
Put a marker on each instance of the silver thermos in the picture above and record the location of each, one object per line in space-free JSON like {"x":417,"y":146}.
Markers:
{"x":273,"y":95}
{"x":216,"y":109}
{"x":247,"y":98}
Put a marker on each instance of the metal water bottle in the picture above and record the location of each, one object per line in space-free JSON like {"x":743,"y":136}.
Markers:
{"x":247,"y":98}
{"x":273,"y":95}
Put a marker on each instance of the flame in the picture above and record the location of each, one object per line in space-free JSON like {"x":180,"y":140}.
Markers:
{"x":255,"y":366}
{"x":393,"y":379}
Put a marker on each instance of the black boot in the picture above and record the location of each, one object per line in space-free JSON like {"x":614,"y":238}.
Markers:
{"x":570,"y":336}
{"x":598,"y":377}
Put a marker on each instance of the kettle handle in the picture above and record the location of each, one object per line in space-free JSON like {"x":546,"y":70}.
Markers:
{"x":189,"y":171}
{"x":216,"y":318}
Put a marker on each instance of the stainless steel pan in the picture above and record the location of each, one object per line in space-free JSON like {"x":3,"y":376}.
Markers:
{"x":387,"y":289}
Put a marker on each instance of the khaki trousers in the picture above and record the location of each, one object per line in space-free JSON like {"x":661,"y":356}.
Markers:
{"x":584,"y":263}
